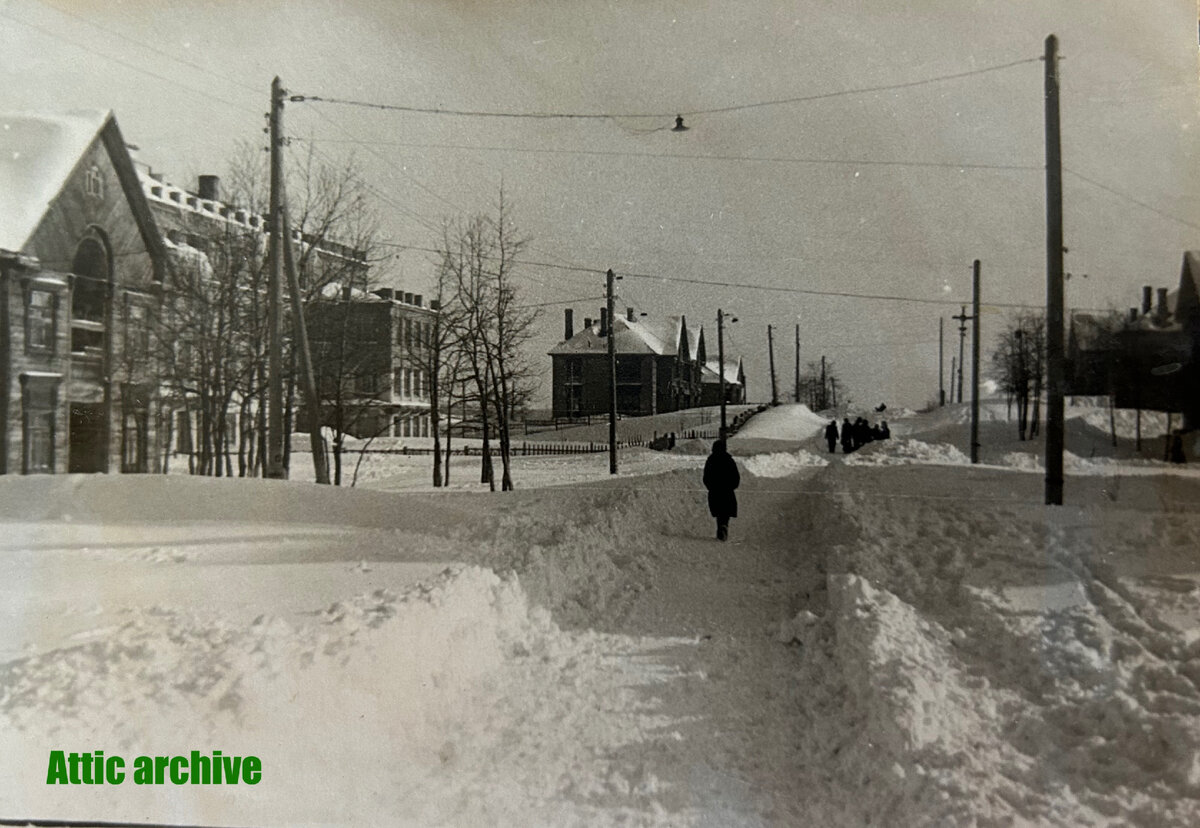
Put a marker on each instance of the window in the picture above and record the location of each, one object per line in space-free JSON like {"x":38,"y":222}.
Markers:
{"x":367,"y":383}
{"x":39,"y":397}
{"x":41,"y":313}
{"x":137,"y":330}
{"x":93,"y":182}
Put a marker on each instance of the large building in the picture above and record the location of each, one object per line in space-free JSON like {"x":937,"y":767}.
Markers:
{"x":1148,"y":360}
{"x":370,"y":352}
{"x":661,"y":367}
{"x":81,"y":273}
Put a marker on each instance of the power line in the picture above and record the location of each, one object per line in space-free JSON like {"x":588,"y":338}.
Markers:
{"x":746,"y":285}
{"x":1131,"y":199}
{"x":610,"y":116}
{"x":702,"y":157}
{"x":125,"y":63}
{"x":148,"y":47}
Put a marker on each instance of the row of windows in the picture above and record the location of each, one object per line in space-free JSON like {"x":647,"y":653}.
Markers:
{"x":41,"y":326}
{"x":411,"y":332}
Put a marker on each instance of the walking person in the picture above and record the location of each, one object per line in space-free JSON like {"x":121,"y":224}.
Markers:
{"x":847,"y":436}
{"x":831,"y":435}
{"x":721,"y":477}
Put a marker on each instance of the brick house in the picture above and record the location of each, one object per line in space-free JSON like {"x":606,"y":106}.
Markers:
{"x":370,"y":357}
{"x":660,"y":365}
{"x":81,"y":271}
{"x":1151,"y":359}
{"x":710,"y":383}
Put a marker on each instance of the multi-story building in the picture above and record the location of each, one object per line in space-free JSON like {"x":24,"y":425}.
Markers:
{"x":660,"y":366}
{"x":81,"y":274}
{"x":371,"y":357}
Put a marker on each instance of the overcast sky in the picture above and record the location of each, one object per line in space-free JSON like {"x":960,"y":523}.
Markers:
{"x":889,"y":192}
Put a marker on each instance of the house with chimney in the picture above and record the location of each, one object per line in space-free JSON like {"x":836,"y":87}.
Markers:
{"x":1148,"y":359}
{"x":366,"y":345}
{"x":660,"y":365}
{"x":81,"y":276}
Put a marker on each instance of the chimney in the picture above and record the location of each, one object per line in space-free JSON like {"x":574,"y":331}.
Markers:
{"x":1146,"y":293}
{"x":346,"y":293}
{"x":417,"y":299}
{"x":407,"y":298}
{"x":1161,"y":311}
{"x":1133,"y":314}
{"x":209,"y":187}
{"x":587,"y":322}
{"x":604,"y":321}
{"x":435,"y":304}
{"x":568,"y":323}
{"x":629,"y":314}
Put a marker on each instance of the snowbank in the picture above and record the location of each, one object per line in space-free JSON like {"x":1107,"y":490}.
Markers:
{"x":782,"y":464}
{"x":783,"y":422}
{"x":898,"y":451}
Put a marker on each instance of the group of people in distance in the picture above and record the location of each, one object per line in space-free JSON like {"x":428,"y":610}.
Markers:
{"x":855,"y":434}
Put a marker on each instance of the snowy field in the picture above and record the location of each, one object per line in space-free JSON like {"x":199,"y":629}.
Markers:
{"x":893,"y":637}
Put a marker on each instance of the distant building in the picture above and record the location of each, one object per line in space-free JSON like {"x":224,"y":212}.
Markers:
{"x":710,"y":383}
{"x":660,"y":366}
{"x":370,"y":352}
{"x":81,"y":273}
{"x":1149,"y":359}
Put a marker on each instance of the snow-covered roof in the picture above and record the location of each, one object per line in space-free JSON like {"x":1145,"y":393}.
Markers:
{"x":643,"y":336}
{"x":37,"y":155}
{"x":733,"y":370}
{"x":333,"y":290}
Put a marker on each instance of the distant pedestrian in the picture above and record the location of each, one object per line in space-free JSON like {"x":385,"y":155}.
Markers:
{"x":721,"y":477}
{"x":847,"y":436}
{"x":1177,"y":455}
{"x":831,"y":435}
{"x":885,"y":433}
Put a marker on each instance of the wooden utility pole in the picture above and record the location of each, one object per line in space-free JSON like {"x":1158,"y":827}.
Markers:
{"x":952,"y":368}
{"x":975,"y":364}
{"x":771,"y":359}
{"x":962,"y":338}
{"x":721,"y":364}
{"x":300,"y":331}
{"x":1054,"y":283}
{"x":941,"y":361}
{"x":823,"y":400}
{"x":797,"y":362}
{"x":612,"y":379}
{"x":275,"y":435}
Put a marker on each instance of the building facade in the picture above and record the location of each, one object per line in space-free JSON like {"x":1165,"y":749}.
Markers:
{"x":81,"y":274}
{"x":370,"y":352}
{"x":660,"y":366}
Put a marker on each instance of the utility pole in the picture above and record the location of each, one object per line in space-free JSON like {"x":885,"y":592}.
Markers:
{"x":797,"y":362}
{"x":952,"y":368}
{"x":941,"y":361}
{"x":771,"y":359}
{"x":962,"y":337}
{"x":824,"y":398}
{"x":975,"y":364}
{"x":612,"y":380}
{"x":1054,"y":283}
{"x":721,"y":364}
{"x":300,"y":331}
{"x":275,"y":435}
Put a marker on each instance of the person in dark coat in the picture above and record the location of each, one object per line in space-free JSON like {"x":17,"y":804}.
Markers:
{"x":831,"y":435}
{"x":721,"y":477}
{"x":847,"y":436}
{"x":885,"y":433}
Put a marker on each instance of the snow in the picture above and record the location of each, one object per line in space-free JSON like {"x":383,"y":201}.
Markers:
{"x":891,"y":637}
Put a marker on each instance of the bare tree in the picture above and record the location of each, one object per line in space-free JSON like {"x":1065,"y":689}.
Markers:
{"x":490,"y":324}
{"x":1019,"y":364}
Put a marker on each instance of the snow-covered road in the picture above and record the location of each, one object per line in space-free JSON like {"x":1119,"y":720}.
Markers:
{"x":899,"y":640}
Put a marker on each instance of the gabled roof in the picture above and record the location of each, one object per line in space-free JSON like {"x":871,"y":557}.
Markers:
{"x":733,"y":372}
{"x":644,"y":336}
{"x":38,"y":154}
{"x":1187,"y":298}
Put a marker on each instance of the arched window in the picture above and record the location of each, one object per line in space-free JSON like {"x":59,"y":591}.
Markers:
{"x":92,"y":267}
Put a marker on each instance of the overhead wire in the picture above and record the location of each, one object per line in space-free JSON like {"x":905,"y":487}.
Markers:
{"x":645,"y":115}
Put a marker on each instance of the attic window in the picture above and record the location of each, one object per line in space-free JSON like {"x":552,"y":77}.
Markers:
{"x":93,"y":182}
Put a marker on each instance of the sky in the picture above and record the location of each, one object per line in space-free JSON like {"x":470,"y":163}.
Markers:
{"x":880,"y":176}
